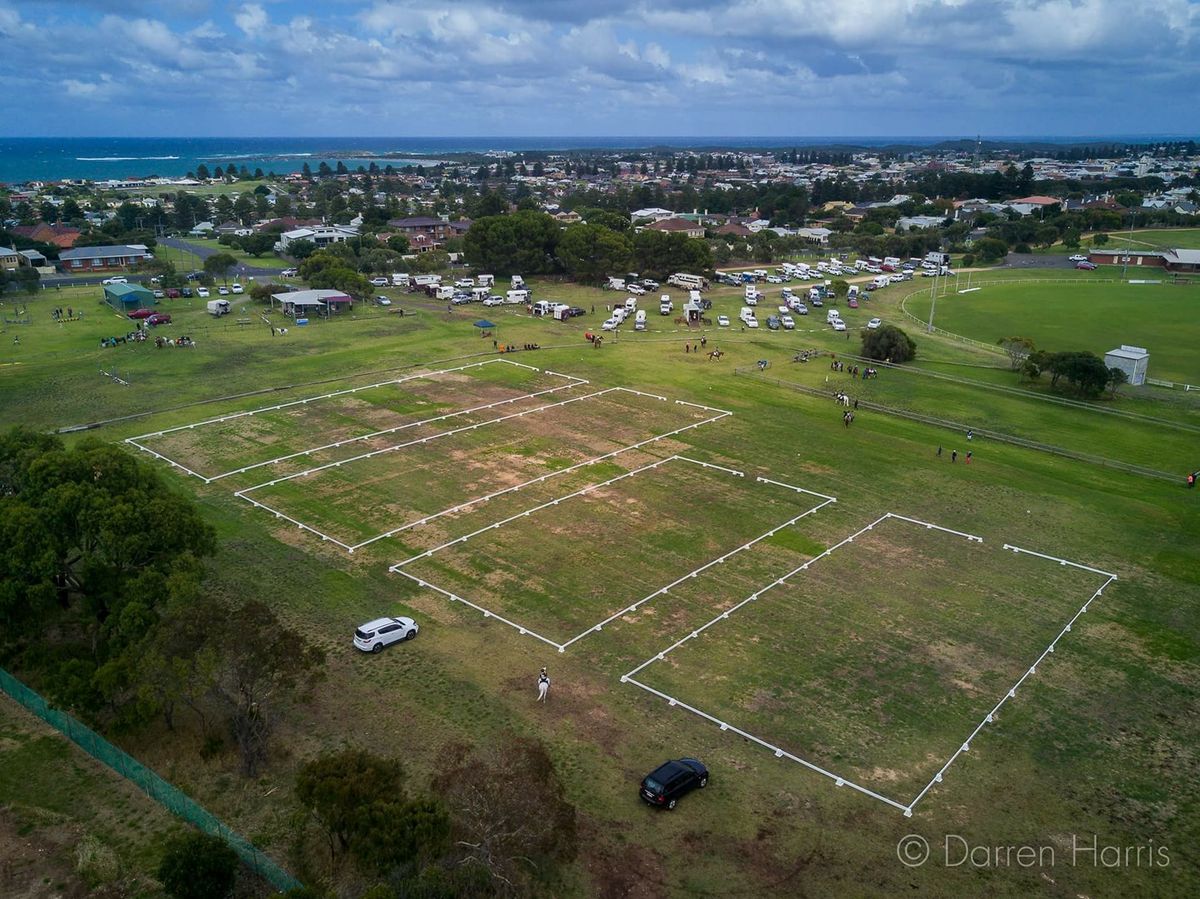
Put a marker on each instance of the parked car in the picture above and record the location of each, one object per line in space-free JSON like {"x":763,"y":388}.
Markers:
{"x":289,"y":273}
{"x":375,"y":635}
{"x":788,"y":322}
{"x":852,"y":303}
{"x":1078,"y":257}
{"x":838,"y":324}
{"x":874,"y":323}
{"x":159,"y":318}
{"x":380,"y":282}
{"x":223,"y":290}
{"x":185,"y":292}
{"x":201,"y":291}
{"x":194,"y":276}
{"x":237,"y":288}
{"x":816,"y":301}
{"x":494,"y":301}
{"x":159,"y":294}
{"x":382,"y":301}
{"x":461,"y":299}
{"x":575,"y":311}
{"x":115,"y":280}
{"x":174,"y":293}
{"x":1085,"y":265}
{"x":141,"y":313}
{"x":774,"y":279}
{"x":723,"y":321}
{"x":669,"y":782}
{"x":773,"y":322}
{"x":464,"y":283}
{"x":799,"y":308}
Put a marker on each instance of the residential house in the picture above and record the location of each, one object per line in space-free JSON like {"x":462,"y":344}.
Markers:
{"x":102,"y":259}
{"x":819,"y":236}
{"x":10,"y":259}
{"x":60,"y":235}
{"x":678,"y":226}
{"x":321,"y":235}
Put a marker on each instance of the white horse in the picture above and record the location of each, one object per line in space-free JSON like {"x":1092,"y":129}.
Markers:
{"x":543,"y":686}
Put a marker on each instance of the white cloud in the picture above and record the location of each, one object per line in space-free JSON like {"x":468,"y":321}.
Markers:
{"x":251,"y":19}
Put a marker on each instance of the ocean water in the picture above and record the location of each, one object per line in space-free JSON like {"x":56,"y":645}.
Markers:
{"x":98,"y":158}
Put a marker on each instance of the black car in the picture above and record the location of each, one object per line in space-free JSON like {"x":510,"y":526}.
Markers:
{"x":576,"y":311}
{"x":186,"y":291}
{"x":664,"y":786}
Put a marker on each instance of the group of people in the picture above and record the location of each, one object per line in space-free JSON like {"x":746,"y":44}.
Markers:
{"x":183,"y":341}
{"x":954,"y":454}
{"x":689,"y":347}
{"x":594,"y":339}
{"x":59,"y":315}
{"x":854,"y":370}
{"x":132,"y":337}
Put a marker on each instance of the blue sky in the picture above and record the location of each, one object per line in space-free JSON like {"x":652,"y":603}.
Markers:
{"x":565,"y":68}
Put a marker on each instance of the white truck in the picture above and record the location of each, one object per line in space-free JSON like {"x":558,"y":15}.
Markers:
{"x":399,"y":279}
{"x":217,"y":308}
{"x":665,"y":306}
{"x":516,"y":282}
{"x":639,"y":320}
{"x":485,"y":280}
{"x":426,"y":280}
{"x":615,"y":284}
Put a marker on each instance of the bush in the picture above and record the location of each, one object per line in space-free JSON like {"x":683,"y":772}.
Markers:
{"x":968,"y":260}
{"x":888,"y":344}
{"x":1022,"y":248}
{"x":198,"y":866}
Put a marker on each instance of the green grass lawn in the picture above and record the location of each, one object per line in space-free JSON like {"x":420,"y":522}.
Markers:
{"x":185,"y":261}
{"x":876,"y":661}
{"x":1096,"y":317}
{"x":1161,"y":238}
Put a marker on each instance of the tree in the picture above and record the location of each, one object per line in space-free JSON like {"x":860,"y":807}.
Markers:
{"x":1018,"y":349}
{"x":382,"y":827}
{"x":198,"y":866}
{"x":202,"y":172}
{"x":990,"y":249}
{"x":840,"y":287}
{"x":508,"y":808}
{"x":1116,"y":378}
{"x":301,"y":249}
{"x":521,"y":243}
{"x":1082,"y":370}
{"x":888,"y":344}
{"x":258,"y":244}
{"x":219,"y":264}
{"x":29,"y":278}
{"x":658,"y":254}
{"x":1099,"y":239}
{"x":588,"y":252}
{"x":264,"y":664}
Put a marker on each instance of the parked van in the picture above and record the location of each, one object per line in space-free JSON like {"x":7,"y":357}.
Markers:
{"x":541,"y":307}
{"x":881,"y":281}
{"x":218,"y":307}
{"x":479,"y":294}
{"x":519,"y":296}
{"x":619,"y":314}
{"x":615,"y":284}
{"x":517,"y":282}
{"x":485,"y":280}
{"x":426,"y":280}
{"x":746,"y":314}
{"x":665,"y":306}
{"x":853,"y":294}
{"x":639,"y":320}
{"x":444,"y":292}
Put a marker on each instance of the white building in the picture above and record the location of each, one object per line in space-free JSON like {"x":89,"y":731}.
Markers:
{"x":1132,"y":360}
{"x":321,"y":235}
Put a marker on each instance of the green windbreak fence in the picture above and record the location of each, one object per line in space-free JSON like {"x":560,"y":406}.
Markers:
{"x":171,"y":797}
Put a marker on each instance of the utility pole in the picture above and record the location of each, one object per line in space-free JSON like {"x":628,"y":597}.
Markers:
{"x":1128,"y":249}
{"x":933,"y":301}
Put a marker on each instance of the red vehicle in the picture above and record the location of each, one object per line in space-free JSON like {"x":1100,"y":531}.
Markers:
{"x":1086,"y":266}
{"x":141,"y":313}
{"x":159,"y":318}
{"x":173,"y":293}
{"x":852,"y":303}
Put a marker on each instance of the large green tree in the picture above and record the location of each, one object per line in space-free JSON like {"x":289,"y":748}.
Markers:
{"x":888,"y":344}
{"x":219,"y":265}
{"x":590,"y":252}
{"x":659,"y":254}
{"x":524,"y":242}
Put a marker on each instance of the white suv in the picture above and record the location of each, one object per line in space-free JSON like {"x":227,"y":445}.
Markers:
{"x":374,"y":635}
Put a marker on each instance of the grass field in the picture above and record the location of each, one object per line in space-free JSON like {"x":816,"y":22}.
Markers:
{"x":1167,"y":239}
{"x":186,"y":261}
{"x":1096,"y":317}
{"x":877,"y":660}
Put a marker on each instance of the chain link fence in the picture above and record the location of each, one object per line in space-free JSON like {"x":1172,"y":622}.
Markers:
{"x":167,"y":795}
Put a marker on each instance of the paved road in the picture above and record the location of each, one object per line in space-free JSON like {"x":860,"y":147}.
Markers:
{"x":204,"y":252}
{"x":1029,"y":260}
